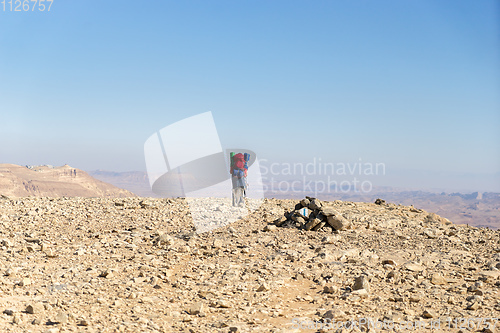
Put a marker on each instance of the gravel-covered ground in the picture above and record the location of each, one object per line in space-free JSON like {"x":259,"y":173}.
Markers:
{"x":138,"y":265}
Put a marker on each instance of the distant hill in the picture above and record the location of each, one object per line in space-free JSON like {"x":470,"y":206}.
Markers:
{"x":477,"y":209}
{"x":48,"y":181}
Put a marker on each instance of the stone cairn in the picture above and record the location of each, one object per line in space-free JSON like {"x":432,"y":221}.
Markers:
{"x":311,"y":214}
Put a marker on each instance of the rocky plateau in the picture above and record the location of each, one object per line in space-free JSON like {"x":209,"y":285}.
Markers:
{"x":138,"y":265}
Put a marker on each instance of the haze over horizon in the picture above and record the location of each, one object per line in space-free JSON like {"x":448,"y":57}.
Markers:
{"x":412,"y":85}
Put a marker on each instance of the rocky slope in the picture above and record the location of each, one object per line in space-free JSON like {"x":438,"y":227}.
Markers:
{"x":137,"y":265}
{"x":47,"y":181}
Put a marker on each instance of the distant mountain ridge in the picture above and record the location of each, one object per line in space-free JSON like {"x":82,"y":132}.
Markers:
{"x":49,"y":181}
{"x":136,"y":182}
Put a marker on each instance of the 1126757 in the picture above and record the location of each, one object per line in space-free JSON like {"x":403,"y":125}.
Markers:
{"x":26,"y":5}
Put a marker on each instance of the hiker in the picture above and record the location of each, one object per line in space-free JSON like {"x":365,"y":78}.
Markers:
{"x":239,"y":169}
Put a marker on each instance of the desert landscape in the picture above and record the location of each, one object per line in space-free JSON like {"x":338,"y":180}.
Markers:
{"x":132,"y":264}
{"x":480,"y":209}
{"x":249,"y":166}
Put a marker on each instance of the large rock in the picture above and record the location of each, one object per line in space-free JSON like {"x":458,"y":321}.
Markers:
{"x":335,"y":219}
{"x":338,"y":222}
{"x":311,"y":224}
{"x":329,"y":211}
{"x":315,"y":204}
{"x":304,"y":213}
{"x":319,"y":226}
{"x":436,"y":219}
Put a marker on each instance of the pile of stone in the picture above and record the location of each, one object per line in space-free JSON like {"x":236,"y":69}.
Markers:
{"x":311,"y":214}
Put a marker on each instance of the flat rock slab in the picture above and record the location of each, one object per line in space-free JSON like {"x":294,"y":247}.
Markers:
{"x":414,"y":267}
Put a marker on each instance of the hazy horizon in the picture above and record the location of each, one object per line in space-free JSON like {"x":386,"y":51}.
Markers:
{"x":474,"y":183}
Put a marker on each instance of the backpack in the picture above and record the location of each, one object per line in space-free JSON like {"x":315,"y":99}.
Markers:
{"x":247,"y":158}
{"x":239,"y":173}
{"x":239,"y":162}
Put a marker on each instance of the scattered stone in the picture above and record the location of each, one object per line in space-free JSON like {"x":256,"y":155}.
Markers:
{"x":389,"y":262}
{"x":280,"y":221}
{"x":9,"y":312}
{"x":438,"y":279}
{"x":330,"y":314}
{"x":51,"y":253}
{"x":329,"y":240}
{"x":311,"y":224}
{"x":35,"y":308}
{"x":330,"y":289}
{"x":270,"y":227}
{"x":6,"y":243}
{"x":60,"y":318}
{"x":17,"y":319}
{"x":362,"y":293}
{"x":314,"y":204}
{"x":196,"y":308}
{"x":414,"y":267}
{"x":52,"y":330}
{"x":431,"y":233}
{"x":83,"y":322}
{"x":304,"y":202}
{"x":473,"y":306}
{"x":164,"y":239}
{"x":361,"y":282}
{"x":429,"y":314}
{"x":145,"y":204}
{"x":318,"y":226}
{"x":25,"y":282}
{"x":217,"y":243}
{"x":236,"y":277}
{"x":108,"y":273}
{"x":9,"y":272}
{"x":263,"y":287}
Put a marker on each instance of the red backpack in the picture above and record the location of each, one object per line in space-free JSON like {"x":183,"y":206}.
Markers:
{"x":239,"y":161}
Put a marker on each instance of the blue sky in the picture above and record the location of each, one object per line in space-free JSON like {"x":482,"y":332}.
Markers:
{"x":412,"y":84}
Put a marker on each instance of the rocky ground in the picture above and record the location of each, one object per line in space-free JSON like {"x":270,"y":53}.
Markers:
{"x":137,"y":265}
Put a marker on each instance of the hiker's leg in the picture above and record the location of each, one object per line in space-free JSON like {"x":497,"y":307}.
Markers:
{"x":241,"y":192}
